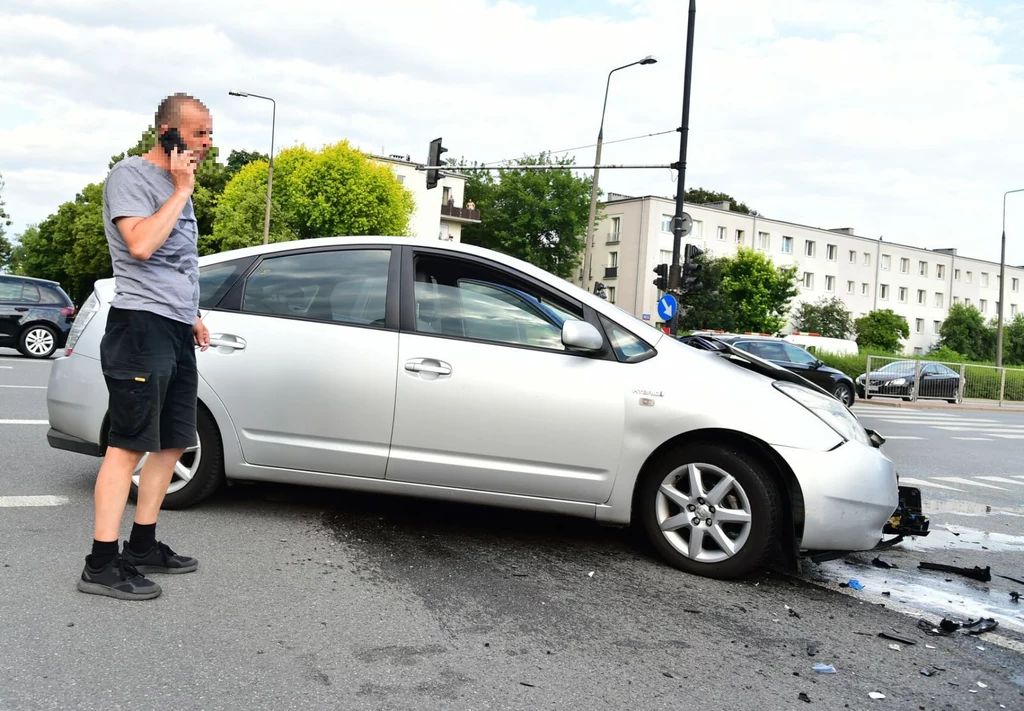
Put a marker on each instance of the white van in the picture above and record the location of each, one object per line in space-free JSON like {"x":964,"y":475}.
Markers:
{"x":820,"y":344}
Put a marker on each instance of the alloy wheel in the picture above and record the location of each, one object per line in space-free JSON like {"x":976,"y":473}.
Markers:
{"x":184,"y":469}
{"x":39,"y":342}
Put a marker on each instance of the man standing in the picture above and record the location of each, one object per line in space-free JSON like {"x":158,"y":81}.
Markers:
{"x":148,"y":349}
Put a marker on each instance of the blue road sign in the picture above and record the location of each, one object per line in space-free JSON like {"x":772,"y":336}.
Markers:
{"x":667,"y":307}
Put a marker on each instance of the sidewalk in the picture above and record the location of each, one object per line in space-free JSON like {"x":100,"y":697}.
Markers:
{"x":967,"y":404}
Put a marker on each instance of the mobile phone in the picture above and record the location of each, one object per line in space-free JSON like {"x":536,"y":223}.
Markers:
{"x":171,"y":139}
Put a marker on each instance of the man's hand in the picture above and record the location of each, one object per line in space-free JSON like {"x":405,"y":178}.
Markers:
{"x":200,"y":334}
{"x":183,"y":171}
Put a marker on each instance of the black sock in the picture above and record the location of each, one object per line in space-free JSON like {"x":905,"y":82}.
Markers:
{"x":143,"y":537}
{"x":102,"y":553}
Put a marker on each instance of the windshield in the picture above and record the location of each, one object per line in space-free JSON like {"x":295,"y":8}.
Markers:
{"x":899,"y":366}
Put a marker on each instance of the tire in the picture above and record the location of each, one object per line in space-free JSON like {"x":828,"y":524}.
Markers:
{"x":757,"y":495}
{"x":205,"y":464}
{"x":843,"y":393}
{"x":38,"y":341}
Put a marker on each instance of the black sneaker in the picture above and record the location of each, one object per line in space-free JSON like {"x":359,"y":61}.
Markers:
{"x":159,"y":559}
{"x":119,"y":579}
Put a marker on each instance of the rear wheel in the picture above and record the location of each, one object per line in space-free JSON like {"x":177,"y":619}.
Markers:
{"x":843,"y":393}
{"x":710,"y":510}
{"x":38,"y":341}
{"x":198,"y":473}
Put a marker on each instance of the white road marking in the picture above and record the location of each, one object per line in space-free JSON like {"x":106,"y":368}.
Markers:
{"x":24,"y":422}
{"x":1001,"y":480}
{"x":973,"y":439}
{"x":924,"y":482}
{"x":888,"y":437}
{"x":968,"y":482}
{"x":1008,"y":436}
{"x":6,"y":367}
{"x":17,"y":501}
{"x":25,"y":387}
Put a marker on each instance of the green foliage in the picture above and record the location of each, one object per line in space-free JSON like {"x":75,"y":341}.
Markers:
{"x":853,"y":364}
{"x":965,"y":331}
{"x":699,"y":196}
{"x":539,"y":216}
{"x":944,"y":354}
{"x":1013,"y":341}
{"x":881,"y":329}
{"x":334,"y":191}
{"x":239,"y":159}
{"x":6,"y":248}
{"x":827,"y":316}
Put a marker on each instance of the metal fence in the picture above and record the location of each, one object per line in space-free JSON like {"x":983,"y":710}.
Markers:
{"x":912,"y":379}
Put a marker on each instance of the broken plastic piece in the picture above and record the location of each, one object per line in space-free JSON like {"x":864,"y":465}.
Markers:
{"x":986,"y":624}
{"x":928,"y":672}
{"x":856,"y":585}
{"x":876,"y":696}
{"x":943,"y":629}
{"x":812,"y":649}
{"x":895,"y":638}
{"x":1015,"y":596}
{"x":895,"y":647}
{"x":982,"y":574}
{"x":982,"y":685}
{"x":804,"y":697}
{"x":879,"y":563}
{"x":824,"y":668}
{"x":1011,"y":579}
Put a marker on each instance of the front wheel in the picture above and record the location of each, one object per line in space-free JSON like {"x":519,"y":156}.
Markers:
{"x":197,"y":474}
{"x":38,"y":341}
{"x":843,"y":393}
{"x":710,"y":510}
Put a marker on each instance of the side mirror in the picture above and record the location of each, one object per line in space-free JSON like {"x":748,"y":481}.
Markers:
{"x":818,"y":364}
{"x":581,"y":336}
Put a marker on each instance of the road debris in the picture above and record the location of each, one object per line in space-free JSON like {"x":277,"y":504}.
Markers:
{"x":855,"y":584}
{"x":590,"y":574}
{"x":982,"y":685}
{"x":876,"y":696}
{"x":943,"y":629}
{"x":986,"y":624}
{"x":1004,"y":577}
{"x":981,"y":574}
{"x":928,"y":672}
{"x":812,"y":650}
{"x":895,"y":647}
{"x":879,"y":563}
{"x":1015,"y":596}
{"x":824,"y":668}
{"x":804,"y":697}
{"x":896,"y":638}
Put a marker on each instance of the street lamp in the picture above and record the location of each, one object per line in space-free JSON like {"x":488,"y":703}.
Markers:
{"x":597,"y":171}
{"x":270,"y":175}
{"x":1002,"y":280}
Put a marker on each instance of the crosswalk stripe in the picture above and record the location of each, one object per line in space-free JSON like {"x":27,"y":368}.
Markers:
{"x":1008,"y":436}
{"x":24,"y":422}
{"x":987,"y":429}
{"x":900,"y":437}
{"x":17,"y":501}
{"x":973,"y":439}
{"x":1001,"y":480}
{"x":968,"y":482}
{"x":924,"y":482}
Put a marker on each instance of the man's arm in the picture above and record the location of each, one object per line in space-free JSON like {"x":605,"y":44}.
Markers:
{"x":145,"y":235}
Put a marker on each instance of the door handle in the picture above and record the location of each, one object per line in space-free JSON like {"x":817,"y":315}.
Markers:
{"x":222,"y":340}
{"x":21,"y":309}
{"x":428,"y":365}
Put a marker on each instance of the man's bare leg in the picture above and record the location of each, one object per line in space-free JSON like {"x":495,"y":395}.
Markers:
{"x":111,"y":492}
{"x":156,"y":476}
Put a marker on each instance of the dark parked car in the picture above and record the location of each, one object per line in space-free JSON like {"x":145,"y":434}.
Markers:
{"x":794,"y":359}
{"x":35,"y":315}
{"x":896,"y":379}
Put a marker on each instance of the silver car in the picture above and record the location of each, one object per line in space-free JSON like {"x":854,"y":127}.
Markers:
{"x":440,"y":370}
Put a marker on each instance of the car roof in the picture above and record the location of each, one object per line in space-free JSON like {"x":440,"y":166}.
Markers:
{"x":36,"y":280}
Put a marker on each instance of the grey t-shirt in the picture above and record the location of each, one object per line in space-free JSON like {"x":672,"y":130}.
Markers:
{"x":167,"y":283}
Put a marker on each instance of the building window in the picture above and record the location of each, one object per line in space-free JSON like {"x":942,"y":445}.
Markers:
{"x":697,"y":233}
{"x":865,"y":289}
{"x":666,"y":256}
{"x":903,"y":294}
{"x":853,"y":256}
{"x":919,"y":325}
{"x":739,"y":236}
{"x":832,"y":253}
{"x":939,"y":300}
{"x":937,"y":326}
{"x":808,"y":280}
{"x":613,"y":259}
{"x":984,"y":306}
{"x":610,"y":291}
{"x":967,"y":301}
{"x":956,"y":275}
{"x":970,"y":277}
{"x":666,"y":223}
{"x":616,"y":230}
{"x":940,"y":271}
{"x":1015,"y":284}
{"x":810,"y":249}
{"x":722,"y":233}
{"x":787,"y":245}
{"x":956,"y":299}
{"x":830,"y":284}
{"x":984,"y":279}
{"x":883,"y":292}
{"x":763,"y":240}
{"x":886,"y":262}
{"x":904,"y":266}
{"x":922,"y":296}
{"x":1013,"y":309}
{"x":867,"y":259}
{"x":922,"y":269}
{"x":851,"y":286}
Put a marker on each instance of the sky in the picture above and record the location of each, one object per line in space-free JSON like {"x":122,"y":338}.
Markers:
{"x":899,"y":118}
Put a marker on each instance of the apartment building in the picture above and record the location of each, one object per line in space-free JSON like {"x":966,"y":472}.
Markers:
{"x":635,"y":235}
{"x":440,"y":212}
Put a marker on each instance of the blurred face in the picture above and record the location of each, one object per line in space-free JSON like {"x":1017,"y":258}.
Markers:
{"x":196,"y":128}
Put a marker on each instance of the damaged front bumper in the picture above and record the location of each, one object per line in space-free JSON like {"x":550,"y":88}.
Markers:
{"x":908,"y":519}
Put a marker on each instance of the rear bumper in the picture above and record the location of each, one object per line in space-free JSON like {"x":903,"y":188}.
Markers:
{"x":60,"y":440}
{"x":849,"y":494}
{"x":76,"y":404}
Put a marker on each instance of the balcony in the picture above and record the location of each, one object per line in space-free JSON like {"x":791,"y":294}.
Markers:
{"x":613,"y":238}
{"x":460,"y":214}
{"x":611,"y":272}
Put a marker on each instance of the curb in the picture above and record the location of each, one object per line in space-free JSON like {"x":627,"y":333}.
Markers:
{"x":973,"y":406}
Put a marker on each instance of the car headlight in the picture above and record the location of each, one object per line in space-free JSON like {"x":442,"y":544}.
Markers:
{"x":829,"y":410}
{"x":898,"y":381}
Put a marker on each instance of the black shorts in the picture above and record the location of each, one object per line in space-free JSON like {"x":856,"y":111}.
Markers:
{"x":149,"y":363}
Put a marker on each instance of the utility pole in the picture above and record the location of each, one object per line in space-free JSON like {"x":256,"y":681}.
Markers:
{"x":1002,"y":279}
{"x":675,"y":271}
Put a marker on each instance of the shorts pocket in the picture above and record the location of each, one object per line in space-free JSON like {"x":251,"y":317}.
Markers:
{"x":131,"y":400}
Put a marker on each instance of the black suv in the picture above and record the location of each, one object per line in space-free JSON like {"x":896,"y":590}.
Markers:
{"x":35,"y":315}
{"x":794,"y":359}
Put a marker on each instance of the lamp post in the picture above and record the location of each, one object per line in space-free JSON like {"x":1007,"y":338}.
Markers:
{"x":597,"y":171}
{"x":1002,"y":285}
{"x":270,"y":175}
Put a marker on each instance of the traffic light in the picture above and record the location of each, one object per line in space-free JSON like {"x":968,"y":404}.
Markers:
{"x":691,"y":270}
{"x":692,"y":252}
{"x":599,"y":290}
{"x":434,"y":158}
{"x":662,"y":281}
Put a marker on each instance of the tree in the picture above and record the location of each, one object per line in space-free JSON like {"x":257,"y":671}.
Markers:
{"x":6,"y":248}
{"x":239,"y":159}
{"x":827,"y":316}
{"x":700,"y":196}
{"x":881,"y":329}
{"x":965,"y":331}
{"x":334,"y":191}
{"x":746,"y":292}
{"x":1013,"y":341}
{"x":539,"y":216}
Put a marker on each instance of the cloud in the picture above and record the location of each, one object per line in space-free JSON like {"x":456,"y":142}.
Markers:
{"x":896,"y":118}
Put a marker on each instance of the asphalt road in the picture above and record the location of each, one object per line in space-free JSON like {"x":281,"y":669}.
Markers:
{"x":306,"y":598}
